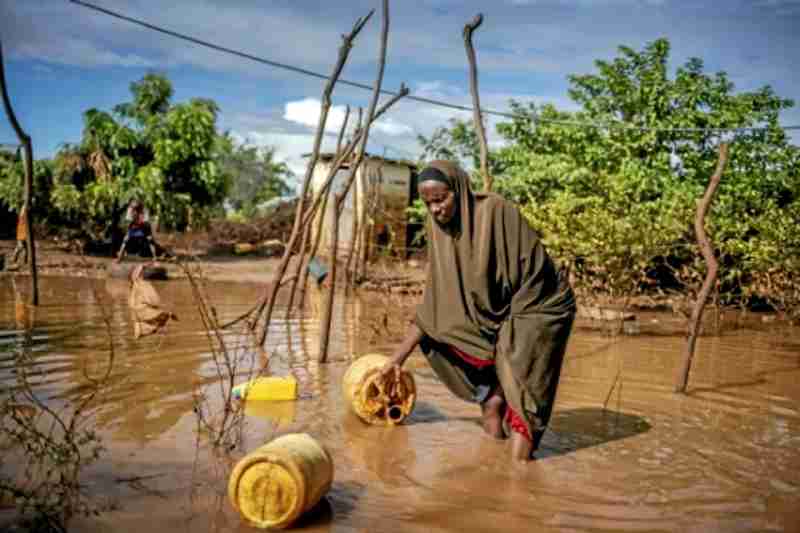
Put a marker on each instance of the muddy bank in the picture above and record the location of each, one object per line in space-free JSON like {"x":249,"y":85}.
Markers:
{"x":623,"y":454}
{"x":216,"y":264}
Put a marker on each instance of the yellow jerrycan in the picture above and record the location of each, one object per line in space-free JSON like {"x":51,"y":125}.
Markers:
{"x":275,"y":484}
{"x":377,"y":400}
{"x":272,"y":388}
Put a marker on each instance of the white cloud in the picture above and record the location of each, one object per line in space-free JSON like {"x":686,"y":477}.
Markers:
{"x":291,"y":130}
{"x":392,"y":127}
{"x":307,"y":113}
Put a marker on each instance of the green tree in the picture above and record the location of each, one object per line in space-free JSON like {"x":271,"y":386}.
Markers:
{"x":149,"y":148}
{"x":12,"y":180}
{"x":617,"y":203}
{"x":458,"y":142}
{"x":256,"y":176}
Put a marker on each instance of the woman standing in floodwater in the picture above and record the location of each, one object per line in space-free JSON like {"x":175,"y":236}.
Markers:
{"x":496,"y":314}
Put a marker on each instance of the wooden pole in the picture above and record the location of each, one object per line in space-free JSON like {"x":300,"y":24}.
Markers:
{"x":353,"y":236}
{"x":682,"y":375}
{"x":25,"y":141}
{"x":469,"y":28}
{"x":327,"y":306}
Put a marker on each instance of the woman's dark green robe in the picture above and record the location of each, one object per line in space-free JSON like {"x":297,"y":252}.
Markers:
{"x":494,"y":293}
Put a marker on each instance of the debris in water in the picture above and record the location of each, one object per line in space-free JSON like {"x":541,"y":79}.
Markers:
{"x":149,"y":317}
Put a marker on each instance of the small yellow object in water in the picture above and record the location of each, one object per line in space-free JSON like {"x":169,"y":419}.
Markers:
{"x":376,"y":399}
{"x":267,"y":388}
{"x":244,"y":248}
{"x":275,"y":484}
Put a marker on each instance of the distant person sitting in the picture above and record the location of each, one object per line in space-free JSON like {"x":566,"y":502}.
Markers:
{"x":139,"y":237}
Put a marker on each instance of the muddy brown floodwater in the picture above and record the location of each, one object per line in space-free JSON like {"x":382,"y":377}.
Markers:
{"x":726,"y":457}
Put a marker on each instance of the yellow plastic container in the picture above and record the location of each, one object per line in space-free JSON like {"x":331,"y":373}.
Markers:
{"x":275,"y":484}
{"x":378,"y":400}
{"x":274,"y":388}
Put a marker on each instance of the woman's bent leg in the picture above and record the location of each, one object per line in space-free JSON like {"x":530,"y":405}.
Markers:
{"x":493,"y":410}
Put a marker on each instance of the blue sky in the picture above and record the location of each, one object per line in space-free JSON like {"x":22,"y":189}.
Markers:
{"x":62,"y":59}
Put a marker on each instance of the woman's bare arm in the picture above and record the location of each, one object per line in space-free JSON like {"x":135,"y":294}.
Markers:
{"x":401,"y":353}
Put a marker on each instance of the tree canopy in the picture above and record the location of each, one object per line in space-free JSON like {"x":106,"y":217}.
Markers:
{"x":168,"y":155}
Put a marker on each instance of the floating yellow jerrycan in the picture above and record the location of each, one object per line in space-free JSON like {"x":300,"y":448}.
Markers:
{"x":275,"y":484}
{"x":274,"y":388}
{"x":376,"y":399}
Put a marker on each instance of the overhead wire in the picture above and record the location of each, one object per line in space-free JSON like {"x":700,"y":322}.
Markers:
{"x":421,"y":99}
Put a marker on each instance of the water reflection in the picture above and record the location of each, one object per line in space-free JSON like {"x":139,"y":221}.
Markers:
{"x":575,"y":429}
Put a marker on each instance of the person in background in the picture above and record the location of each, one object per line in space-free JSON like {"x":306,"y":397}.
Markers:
{"x":139,"y":237}
{"x":496,"y":314}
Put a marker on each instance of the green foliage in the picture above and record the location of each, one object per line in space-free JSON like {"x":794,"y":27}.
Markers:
{"x":149,"y":148}
{"x":255,"y":175}
{"x":618,"y":203}
{"x":12,"y":182}
{"x":417,"y":213}
{"x":459,"y":142}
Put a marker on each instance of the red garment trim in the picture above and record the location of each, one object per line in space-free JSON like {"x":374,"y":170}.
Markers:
{"x":516,"y":422}
{"x":474,"y":361}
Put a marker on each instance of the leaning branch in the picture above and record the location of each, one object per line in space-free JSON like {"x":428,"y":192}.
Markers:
{"x":682,"y":376}
{"x":476,"y":103}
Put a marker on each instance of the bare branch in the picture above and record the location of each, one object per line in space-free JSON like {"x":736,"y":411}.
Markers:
{"x":476,"y":104}
{"x":682,"y":376}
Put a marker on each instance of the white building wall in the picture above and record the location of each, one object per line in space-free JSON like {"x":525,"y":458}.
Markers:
{"x":381,"y":189}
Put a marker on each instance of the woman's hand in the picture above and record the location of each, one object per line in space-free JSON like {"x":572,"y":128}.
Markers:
{"x":393,"y":368}
{"x":395,"y":363}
